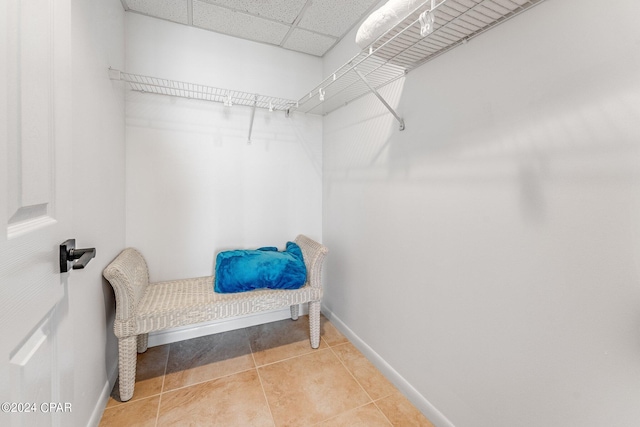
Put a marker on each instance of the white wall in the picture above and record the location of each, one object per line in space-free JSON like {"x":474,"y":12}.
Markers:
{"x":98,"y":200}
{"x":489,"y":253}
{"x":194,"y":185}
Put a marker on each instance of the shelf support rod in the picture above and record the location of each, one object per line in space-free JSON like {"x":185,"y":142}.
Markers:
{"x":385,"y":103}
{"x":253,"y":113}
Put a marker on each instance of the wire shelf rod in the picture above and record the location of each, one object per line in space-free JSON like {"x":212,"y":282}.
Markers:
{"x":412,"y":40}
{"x":362,"y":56}
{"x":402,"y":48}
{"x":148,"y":84}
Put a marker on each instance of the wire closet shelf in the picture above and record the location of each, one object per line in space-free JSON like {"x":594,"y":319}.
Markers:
{"x":407,"y":46}
{"x":148,"y":84}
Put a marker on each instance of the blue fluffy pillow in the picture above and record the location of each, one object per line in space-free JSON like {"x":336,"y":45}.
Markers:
{"x":245,"y":270}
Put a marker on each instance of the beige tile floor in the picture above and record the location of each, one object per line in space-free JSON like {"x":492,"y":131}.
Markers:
{"x":265,"y":375}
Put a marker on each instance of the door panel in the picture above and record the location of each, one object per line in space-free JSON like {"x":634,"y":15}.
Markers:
{"x":35,"y":160}
{"x":32,"y":373}
{"x":32,"y":127}
{"x":31,"y":116}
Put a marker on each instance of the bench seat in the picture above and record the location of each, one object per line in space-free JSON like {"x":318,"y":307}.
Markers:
{"x":185,"y":302}
{"x":143,"y":307}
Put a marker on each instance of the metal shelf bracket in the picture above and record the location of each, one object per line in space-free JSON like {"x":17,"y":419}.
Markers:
{"x":253,"y":114}
{"x":385,"y":103}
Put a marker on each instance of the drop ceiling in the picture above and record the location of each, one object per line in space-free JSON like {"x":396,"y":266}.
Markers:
{"x":308,"y":26}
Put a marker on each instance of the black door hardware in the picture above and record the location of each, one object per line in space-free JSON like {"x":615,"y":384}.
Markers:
{"x":69,"y":253}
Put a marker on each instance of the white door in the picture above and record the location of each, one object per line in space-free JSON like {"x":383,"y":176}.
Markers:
{"x":35,"y":217}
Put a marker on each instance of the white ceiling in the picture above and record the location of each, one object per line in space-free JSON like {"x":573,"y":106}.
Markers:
{"x":309,"y":26}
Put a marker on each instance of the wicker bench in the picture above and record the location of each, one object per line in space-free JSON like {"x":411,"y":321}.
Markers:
{"x":143,"y":307}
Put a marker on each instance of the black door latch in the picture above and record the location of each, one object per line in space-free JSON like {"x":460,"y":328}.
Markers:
{"x":69,"y":253}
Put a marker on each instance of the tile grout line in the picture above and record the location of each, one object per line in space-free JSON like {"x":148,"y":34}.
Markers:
{"x":284,"y":360}
{"x":351,"y":373}
{"x":164,"y":376}
{"x":163,"y":391}
{"x":350,"y":410}
{"x":381,"y":411}
{"x":209,"y":380}
{"x":266,"y":399}
{"x":328,"y":347}
{"x":264,"y":392}
{"x":372,"y":400}
{"x":358,"y":382}
{"x":292,"y":357}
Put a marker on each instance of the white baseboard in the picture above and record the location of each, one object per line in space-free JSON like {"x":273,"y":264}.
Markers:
{"x":179,"y":334}
{"x":96,"y":415}
{"x":420,"y":402}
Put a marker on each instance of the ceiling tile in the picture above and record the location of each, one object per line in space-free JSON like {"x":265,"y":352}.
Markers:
{"x":334,"y":17}
{"x":173,"y":10}
{"x":308,"y":42}
{"x":280,"y":10}
{"x":237,"y":24}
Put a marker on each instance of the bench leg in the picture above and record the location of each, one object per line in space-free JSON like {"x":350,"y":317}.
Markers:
{"x":143,"y":342}
{"x":314,"y":323}
{"x":294,"y":312}
{"x":127,"y":358}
